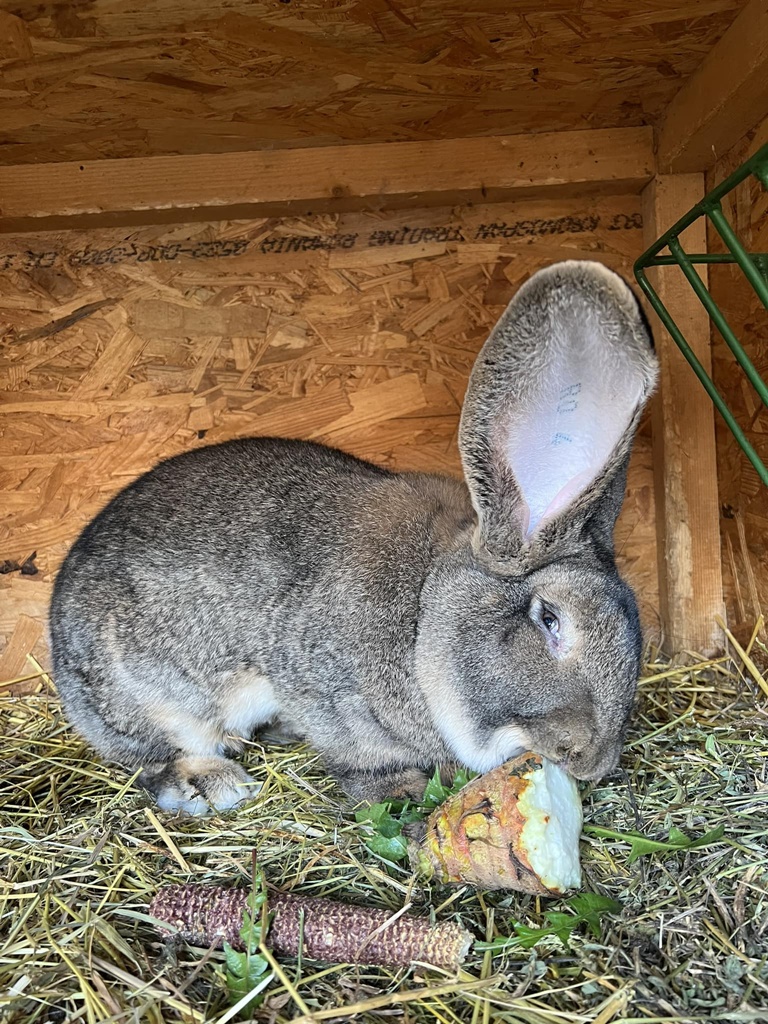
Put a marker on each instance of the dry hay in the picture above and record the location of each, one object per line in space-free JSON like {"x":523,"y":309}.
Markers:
{"x":84,"y":853}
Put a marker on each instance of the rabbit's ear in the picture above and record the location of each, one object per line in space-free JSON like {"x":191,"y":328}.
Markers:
{"x":551,"y":408}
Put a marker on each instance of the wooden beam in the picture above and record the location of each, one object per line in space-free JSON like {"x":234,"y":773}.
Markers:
{"x":337,"y":178}
{"x":722,"y":100}
{"x":684,"y":455}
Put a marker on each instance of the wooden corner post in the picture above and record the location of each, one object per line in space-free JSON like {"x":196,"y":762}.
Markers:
{"x":685,"y":464}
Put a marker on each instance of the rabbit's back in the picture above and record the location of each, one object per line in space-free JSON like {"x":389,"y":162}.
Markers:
{"x":242,"y":521}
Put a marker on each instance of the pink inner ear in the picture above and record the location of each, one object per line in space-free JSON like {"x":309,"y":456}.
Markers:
{"x":525,"y":519}
{"x":566,"y":426}
{"x":563,"y":498}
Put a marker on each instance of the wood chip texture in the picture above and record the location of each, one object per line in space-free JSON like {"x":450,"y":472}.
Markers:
{"x":119,"y":348}
{"x":93,"y":79}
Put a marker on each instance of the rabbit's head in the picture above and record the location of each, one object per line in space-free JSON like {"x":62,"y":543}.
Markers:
{"x":530,"y":639}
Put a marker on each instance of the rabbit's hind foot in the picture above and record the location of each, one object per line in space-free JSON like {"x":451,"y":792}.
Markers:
{"x":199,"y":785}
{"x":391,"y":782}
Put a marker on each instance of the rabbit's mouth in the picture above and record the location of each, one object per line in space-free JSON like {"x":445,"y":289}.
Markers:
{"x":589,"y":766}
{"x":582,"y":776}
{"x":575,"y":745}
{"x":563,"y":762}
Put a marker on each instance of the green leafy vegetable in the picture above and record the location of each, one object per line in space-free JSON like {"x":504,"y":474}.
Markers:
{"x":389,"y":818}
{"x":387,"y":821}
{"x":392,"y":848}
{"x":586,"y":909}
{"x":246,"y":969}
{"x":437,"y":792}
{"x":640,"y":845}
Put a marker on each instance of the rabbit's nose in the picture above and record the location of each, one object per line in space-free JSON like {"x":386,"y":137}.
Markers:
{"x":576,"y":742}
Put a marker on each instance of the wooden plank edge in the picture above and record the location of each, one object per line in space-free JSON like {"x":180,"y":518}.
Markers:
{"x":683,"y":426}
{"x":246,"y":212}
{"x":327,"y":179}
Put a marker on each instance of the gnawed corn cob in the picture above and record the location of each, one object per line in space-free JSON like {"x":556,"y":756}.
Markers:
{"x":209,"y":915}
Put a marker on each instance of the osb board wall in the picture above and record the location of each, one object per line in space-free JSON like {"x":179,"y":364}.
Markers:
{"x":121,"y":348}
{"x":743,"y":498}
{"x":103,"y":79}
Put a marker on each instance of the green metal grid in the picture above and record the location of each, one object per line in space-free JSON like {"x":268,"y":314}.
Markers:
{"x":755,"y":268}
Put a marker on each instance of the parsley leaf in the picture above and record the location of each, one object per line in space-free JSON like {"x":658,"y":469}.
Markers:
{"x":586,"y":909}
{"x":640,"y":845}
{"x":245,"y":970}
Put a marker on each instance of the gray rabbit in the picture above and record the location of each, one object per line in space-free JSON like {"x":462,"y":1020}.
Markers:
{"x":394,"y":620}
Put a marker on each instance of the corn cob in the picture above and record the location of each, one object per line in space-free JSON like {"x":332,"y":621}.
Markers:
{"x":210,"y":915}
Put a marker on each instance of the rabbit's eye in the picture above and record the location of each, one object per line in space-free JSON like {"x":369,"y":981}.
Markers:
{"x":550,"y":622}
{"x":547,"y":619}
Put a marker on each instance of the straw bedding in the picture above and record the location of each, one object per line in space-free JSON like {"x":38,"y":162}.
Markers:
{"x":83,"y":853}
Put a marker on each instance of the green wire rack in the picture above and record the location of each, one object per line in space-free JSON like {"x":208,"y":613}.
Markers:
{"x":755,"y":267}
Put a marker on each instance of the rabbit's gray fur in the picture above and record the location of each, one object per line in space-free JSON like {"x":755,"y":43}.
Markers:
{"x":395,"y":621}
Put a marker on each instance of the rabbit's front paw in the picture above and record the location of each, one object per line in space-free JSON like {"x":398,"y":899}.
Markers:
{"x":198,"y":785}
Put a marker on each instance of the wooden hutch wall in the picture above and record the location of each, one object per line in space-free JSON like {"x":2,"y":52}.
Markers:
{"x":359,"y":331}
{"x":236,"y":315}
{"x":102,"y":79}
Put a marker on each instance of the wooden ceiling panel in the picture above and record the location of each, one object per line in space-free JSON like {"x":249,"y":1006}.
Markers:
{"x":84,"y":79}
